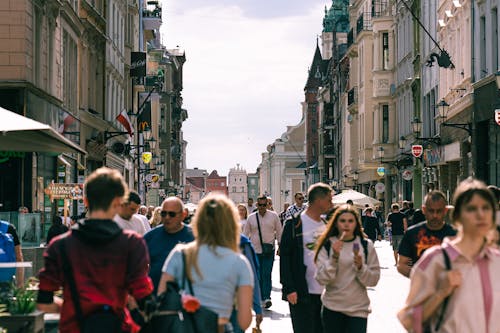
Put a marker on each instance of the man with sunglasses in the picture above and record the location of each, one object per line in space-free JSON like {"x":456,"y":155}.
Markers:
{"x":162,"y":239}
{"x":264,"y":227}
{"x":297,"y":208}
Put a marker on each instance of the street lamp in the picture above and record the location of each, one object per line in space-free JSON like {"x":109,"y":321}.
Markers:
{"x":443,"y":108}
{"x":355,"y":177}
{"x":416,"y":126}
{"x":399,"y":162}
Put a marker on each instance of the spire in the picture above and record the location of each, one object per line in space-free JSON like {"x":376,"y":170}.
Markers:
{"x":338,"y":13}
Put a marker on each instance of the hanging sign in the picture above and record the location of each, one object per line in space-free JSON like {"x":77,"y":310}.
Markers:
{"x":497,"y":116}
{"x":381,"y":171}
{"x":147,"y":156}
{"x":417,"y":150}
{"x":407,"y":175}
{"x":380,"y":188}
{"x":64,"y":191}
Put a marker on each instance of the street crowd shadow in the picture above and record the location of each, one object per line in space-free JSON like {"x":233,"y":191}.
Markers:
{"x":274,"y":315}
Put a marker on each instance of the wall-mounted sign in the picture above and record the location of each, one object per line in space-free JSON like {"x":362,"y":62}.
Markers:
{"x":417,"y":150}
{"x":380,"y":188}
{"x":6,"y":155}
{"x":407,"y":175}
{"x":497,"y":116}
{"x":64,"y":191}
{"x":381,"y":171}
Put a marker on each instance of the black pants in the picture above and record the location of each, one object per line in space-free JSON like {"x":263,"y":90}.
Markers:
{"x":306,"y":314}
{"x":342,"y":323}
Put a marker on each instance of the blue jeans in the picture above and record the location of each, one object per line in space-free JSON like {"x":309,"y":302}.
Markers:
{"x":266,"y":267}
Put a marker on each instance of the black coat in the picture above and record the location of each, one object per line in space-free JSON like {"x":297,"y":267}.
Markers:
{"x":292,"y":268}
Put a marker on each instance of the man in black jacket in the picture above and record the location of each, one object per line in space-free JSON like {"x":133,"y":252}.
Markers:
{"x":297,"y":268}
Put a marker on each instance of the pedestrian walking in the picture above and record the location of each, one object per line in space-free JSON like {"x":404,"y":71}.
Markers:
{"x":219,"y":273}
{"x":57,"y":228}
{"x":297,"y":268}
{"x":242,"y":212}
{"x":164,"y":237}
{"x":155,"y":218}
{"x":454,"y":287}
{"x":424,"y":235}
{"x":263,"y":228}
{"x":370,"y":225}
{"x":105,"y":262}
{"x":250,"y":206}
{"x":282,"y":214}
{"x":127,"y":217}
{"x":298,"y":207}
{"x":398,"y":224}
{"x":347,"y":264}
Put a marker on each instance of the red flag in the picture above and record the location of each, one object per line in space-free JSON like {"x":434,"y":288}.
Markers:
{"x":67,"y":121}
{"x":125,"y":121}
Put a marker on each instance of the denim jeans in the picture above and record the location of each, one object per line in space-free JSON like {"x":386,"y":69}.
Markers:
{"x":342,"y":322}
{"x":266,"y":268}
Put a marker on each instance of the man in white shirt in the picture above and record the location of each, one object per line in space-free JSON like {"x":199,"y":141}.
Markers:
{"x":264,"y":227}
{"x":127,"y":217}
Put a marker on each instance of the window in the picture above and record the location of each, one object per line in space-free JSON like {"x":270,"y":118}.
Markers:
{"x":70,"y":57}
{"x":385,"y":50}
{"x":242,"y":189}
{"x":482,"y":47}
{"x":385,"y":123}
{"x":494,"y":39}
{"x":234,"y":189}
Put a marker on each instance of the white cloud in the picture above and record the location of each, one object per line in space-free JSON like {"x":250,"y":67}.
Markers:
{"x":243,"y":79}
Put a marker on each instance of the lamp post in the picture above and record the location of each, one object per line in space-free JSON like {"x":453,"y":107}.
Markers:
{"x":355,"y":177}
{"x":443,"y":108}
{"x":416,"y":125}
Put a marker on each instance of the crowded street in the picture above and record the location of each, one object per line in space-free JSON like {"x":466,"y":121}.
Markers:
{"x":386,"y":298}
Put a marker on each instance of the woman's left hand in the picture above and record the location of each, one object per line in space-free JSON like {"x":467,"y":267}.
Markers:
{"x":358,"y":261}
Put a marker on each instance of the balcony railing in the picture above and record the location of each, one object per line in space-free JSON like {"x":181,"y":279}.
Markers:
{"x":364,"y":22}
{"x":350,"y":38}
{"x":380,"y":8}
{"x":352,"y":96}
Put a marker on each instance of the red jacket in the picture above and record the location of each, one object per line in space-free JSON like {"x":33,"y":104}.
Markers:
{"x":108,"y":264}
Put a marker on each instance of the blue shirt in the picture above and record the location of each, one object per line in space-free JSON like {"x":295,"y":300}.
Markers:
{"x":222,"y":270}
{"x":160,"y":243}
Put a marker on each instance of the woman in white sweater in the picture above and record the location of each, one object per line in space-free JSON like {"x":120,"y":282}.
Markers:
{"x":346,"y":264}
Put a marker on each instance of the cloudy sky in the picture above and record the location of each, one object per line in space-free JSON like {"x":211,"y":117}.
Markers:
{"x":246,"y":68}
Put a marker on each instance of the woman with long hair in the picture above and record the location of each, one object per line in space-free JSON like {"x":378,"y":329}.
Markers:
{"x":219,"y":273}
{"x":156,"y":217}
{"x":242,"y":212}
{"x":465,"y":297}
{"x":347,"y":264}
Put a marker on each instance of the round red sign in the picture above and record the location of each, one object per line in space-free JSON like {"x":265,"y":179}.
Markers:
{"x":417,"y":150}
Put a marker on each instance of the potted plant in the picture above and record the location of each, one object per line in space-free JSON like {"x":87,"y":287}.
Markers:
{"x":18,"y":309}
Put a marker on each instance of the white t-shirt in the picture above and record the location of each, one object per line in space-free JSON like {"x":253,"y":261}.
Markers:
{"x":311,"y":231}
{"x":145,"y":222}
{"x":135,"y":224}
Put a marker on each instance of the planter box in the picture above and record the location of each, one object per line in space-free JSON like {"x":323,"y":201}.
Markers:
{"x":28,"y":323}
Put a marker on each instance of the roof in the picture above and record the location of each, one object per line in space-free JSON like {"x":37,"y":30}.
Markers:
{"x":197,"y":182}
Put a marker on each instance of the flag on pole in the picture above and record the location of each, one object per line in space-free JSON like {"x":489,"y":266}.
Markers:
{"x":67,"y":121}
{"x":125,"y":121}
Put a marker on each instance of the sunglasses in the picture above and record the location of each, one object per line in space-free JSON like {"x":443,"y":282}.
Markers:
{"x":262,"y":205}
{"x":300,"y":198}
{"x":164,"y":213}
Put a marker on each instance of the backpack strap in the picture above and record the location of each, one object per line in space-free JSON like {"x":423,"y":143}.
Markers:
{"x":447,"y":264}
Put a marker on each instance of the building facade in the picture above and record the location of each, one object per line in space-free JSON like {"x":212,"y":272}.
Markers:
{"x":237,"y":185}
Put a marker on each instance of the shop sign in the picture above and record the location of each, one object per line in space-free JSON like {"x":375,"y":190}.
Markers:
{"x":407,"y":175}
{"x":6,"y":155}
{"x":64,"y":191}
{"x":146,"y":157}
{"x":380,"y":188}
{"x":381,"y":171}
{"x":417,"y":150}
{"x":497,"y":116}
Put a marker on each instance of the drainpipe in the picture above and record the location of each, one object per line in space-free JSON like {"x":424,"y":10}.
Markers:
{"x":473,"y":79}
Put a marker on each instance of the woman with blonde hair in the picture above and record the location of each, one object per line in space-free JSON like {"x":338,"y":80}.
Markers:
{"x":243,"y":213}
{"x":347,"y":264}
{"x":455,"y":287}
{"x":217,"y":270}
{"x":155,"y":218}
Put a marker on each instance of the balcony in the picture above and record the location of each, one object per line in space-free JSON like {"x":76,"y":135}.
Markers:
{"x":151,"y":16}
{"x":363,"y":23}
{"x":380,"y":8}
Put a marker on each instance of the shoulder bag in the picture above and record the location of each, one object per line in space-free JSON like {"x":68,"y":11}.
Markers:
{"x":178,"y":312}
{"x":104,"y":320}
{"x":267,"y":249}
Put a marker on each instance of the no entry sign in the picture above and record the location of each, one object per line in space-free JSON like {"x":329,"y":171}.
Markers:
{"x":417,"y":150}
{"x":497,"y":116}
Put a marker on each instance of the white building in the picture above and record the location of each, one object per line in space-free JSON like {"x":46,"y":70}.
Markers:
{"x":237,"y":184}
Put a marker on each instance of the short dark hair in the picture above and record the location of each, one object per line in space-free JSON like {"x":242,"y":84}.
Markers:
{"x":495,"y":190}
{"x":262,"y":197}
{"x":102,"y":187}
{"x":395,"y":206}
{"x":434,"y":196}
{"x":297,"y":194}
{"x":318,"y":191}
{"x":133,"y":196}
